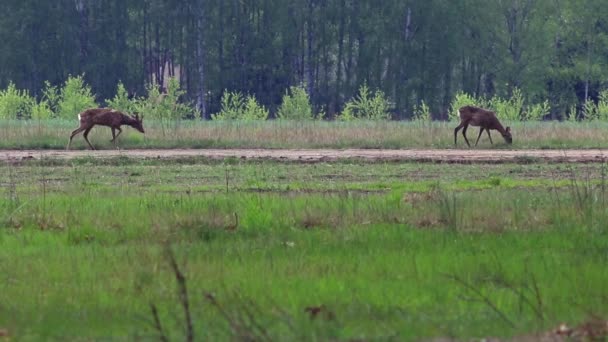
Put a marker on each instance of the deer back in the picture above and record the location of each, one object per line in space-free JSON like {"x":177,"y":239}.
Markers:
{"x":476,"y":116}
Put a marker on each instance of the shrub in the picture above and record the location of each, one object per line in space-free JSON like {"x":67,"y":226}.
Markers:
{"x":15,"y":103}
{"x":366,"y":106}
{"x":233,"y":106}
{"x":509,"y":109}
{"x":236,"y":107}
{"x":537,"y":111}
{"x":602,"y":106}
{"x":295,"y":105}
{"x":74,"y":97}
{"x":121,"y":100}
{"x":461,"y":99}
{"x":422,"y":113}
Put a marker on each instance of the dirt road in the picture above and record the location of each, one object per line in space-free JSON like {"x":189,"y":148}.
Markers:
{"x":314,"y":155}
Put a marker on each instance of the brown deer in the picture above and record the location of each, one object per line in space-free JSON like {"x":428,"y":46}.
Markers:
{"x":475,"y":116}
{"x":105,"y":117}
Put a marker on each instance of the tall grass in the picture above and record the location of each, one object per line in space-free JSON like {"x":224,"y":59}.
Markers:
{"x":304,"y":134}
{"x":83,"y":255}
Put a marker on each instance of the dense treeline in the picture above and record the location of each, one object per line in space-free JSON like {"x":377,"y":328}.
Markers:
{"x":412,"y":50}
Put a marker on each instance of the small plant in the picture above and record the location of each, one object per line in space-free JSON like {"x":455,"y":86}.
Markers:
{"x":590,"y":111}
{"x":296,"y":105}
{"x":366,"y":106}
{"x":602,"y":106}
{"x":537,"y":111}
{"x":509,"y":109}
{"x":74,"y":97}
{"x":50,"y":94}
{"x":571,"y":115}
{"x":422,"y":113}
{"x":121,"y":100}
{"x":15,"y":103}
{"x":236,"y":107}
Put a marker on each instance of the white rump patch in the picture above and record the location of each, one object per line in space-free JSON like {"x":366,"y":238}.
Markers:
{"x":79,"y":117}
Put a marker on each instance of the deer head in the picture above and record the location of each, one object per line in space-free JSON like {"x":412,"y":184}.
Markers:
{"x":138,"y":122}
{"x":507,"y":135}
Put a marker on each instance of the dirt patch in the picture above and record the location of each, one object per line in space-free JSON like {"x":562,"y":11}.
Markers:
{"x":322,"y":155}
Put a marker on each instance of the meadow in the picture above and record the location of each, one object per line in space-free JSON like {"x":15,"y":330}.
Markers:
{"x":53,"y":134}
{"x":260,"y":250}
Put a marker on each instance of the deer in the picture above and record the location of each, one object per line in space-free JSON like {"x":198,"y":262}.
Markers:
{"x":105,"y":117}
{"x":475,"y":116}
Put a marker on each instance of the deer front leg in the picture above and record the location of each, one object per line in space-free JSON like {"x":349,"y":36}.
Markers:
{"x":86,"y":133}
{"x":479,"y":136}
{"x":489,"y":136}
{"x":115,"y":136}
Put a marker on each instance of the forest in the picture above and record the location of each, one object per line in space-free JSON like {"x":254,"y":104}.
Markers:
{"x":415,"y":52}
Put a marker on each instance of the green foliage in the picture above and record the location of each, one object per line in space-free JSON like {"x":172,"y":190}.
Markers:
{"x":597,"y":111}
{"x":121,"y":100}
{"x":422,"y":113}
{"x":15,"y":103}
{"x":236,"y":107}
{"x":460,"y":100}
{"x":164,"y":106}
{"x":42,"y":110}
{"x":74,"y":97}
{"x":537,"y":111}
{"x":571,"y":115}
{"x":511,"y":108}
{"x":366,"y":106}
{"x":50,"y":95}
{"x":295,"y":105}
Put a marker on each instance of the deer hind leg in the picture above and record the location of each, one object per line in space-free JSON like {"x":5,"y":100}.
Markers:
{"x":489,"y":136}
{"x":86,"y":133}
{"x":74,"y":132}
{"x":456,"y":132}
{"x":479,"y":136}
{"x":464,"y":134}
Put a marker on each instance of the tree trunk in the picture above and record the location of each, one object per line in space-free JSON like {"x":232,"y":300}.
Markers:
{"x":200,"y":58}
{"x":83,"y":14}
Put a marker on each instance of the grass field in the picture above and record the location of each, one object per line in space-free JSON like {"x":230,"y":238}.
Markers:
{"x":288,"y":134}
{"x":383,"y":250}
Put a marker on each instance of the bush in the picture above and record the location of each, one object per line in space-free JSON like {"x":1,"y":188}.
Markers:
{"x":365,"y":106}
{"x":15,"y":103}
{"x":236,"y":107}
{"x":74,"y":97}
{"x":460,"y":100}
{"x":295,"y":105}
{"x":537,"y":111}
{"x":422,"y":113}
{"x":602,"y":105}
{"x":121,"y":100}
{"x":509,"y":109}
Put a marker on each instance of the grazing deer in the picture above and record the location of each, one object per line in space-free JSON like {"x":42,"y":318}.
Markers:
{"x":480,"y":117}
{"x":105,"y":117}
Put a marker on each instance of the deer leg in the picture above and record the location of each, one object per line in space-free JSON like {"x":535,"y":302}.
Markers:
{"x":86,"y":133}
{"x":489,"y":136}
{"x":115,"y":136}
{"x":464,"y":134}
{"x":456,"y":132}
{"x":119,"y":131}
{"x":479,"y":136}
{"x":74,"y":132}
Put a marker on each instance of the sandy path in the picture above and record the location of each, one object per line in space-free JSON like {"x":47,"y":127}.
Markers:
{"x":312,"y":155}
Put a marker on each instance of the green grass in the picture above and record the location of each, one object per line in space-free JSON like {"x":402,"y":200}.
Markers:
{"x":54,"y":134}
{"x":393,"y":250}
